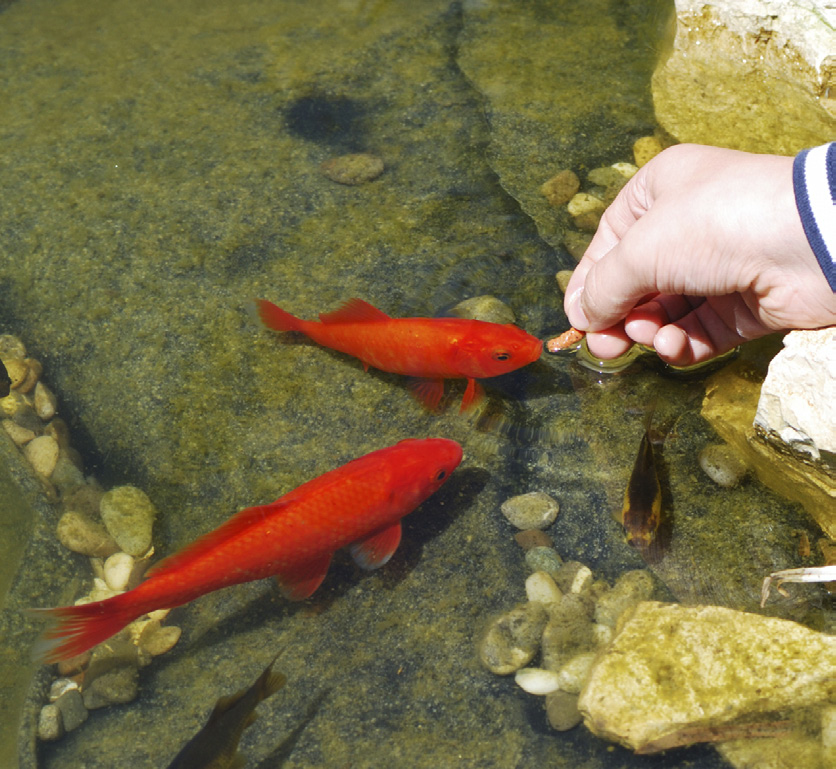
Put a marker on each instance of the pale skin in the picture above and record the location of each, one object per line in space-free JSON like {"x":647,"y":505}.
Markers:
{"x":701,"y":251}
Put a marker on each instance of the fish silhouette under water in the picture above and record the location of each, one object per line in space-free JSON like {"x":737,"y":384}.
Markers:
{"x":215,"y":746}
{"x":641,"y":514}
{"x":359,"y":505}
{"x":433,"y":349}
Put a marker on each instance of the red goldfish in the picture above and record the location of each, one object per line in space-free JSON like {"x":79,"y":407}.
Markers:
{"x":434,"y":349}
{"x":359,"y":504}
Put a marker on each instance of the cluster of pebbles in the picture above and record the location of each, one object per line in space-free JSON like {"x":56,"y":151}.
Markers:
{"x":567,"y":617}
{"x":113,"y":528}
{"x":586,"y":206}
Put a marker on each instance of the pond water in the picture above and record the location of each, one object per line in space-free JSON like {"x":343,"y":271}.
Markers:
{"x":161,"y":167}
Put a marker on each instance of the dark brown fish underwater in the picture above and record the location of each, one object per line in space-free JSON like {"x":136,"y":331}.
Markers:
{"x":215,"y":746}
{"x":641,"y":515}
{"x":5,"y":381}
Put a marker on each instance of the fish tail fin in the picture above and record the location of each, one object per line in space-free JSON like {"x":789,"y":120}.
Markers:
{"x":274,"y":317}
{"x":75,"y":629}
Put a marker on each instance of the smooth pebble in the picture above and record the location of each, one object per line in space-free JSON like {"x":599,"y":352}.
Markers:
{"x":511,"y":640}
{"x":45,"y":402}
{"x":73,"y":712}
{"x":486,"y":307}
{"x":574,"y":577}
{"x":42,"y":454}
{"x":574,"y":673}
{"x":117,"y":571}
{"x":561,"y":187}
{"x":543,"y":559}
{"x":79,"y":533}
{"x":50,"y":727}
{"x":128,"y":515}
{"x":534,"y":510}
{"x":539,"y":586}
{"x":537,"y":680}
{"x":720,"y":463}
{"x":645,"y":149}
{"x":562,"y":710}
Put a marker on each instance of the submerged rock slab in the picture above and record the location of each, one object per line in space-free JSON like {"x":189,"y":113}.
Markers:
{"x":673,"y":667}
{"x":730,"y":404}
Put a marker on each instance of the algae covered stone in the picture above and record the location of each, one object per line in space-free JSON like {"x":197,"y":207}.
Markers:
{"x":672,"y":667}
{"x":128,"y":515}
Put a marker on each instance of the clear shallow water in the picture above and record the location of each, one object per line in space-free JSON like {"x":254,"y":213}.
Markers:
{"x":161,"y":167}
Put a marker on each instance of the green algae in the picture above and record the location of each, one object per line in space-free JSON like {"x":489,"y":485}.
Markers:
{"x":161,"y":168}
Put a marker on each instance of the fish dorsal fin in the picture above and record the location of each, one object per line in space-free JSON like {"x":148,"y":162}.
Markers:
{"x":238,"y":523}
{"x":354,"y":311}
{"x":301,"y":582}
{"x":377,"y":549}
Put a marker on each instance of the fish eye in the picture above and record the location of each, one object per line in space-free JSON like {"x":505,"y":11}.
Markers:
{"x":501,"y":355}
{"x":441,"y":475}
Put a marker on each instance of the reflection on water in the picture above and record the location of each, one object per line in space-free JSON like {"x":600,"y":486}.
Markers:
{"x":161,"y":167}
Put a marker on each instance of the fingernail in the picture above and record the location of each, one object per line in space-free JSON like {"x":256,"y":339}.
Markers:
{"x":574,"y":311}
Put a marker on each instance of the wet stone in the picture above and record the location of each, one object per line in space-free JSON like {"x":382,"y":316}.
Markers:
{"x":20,"y":435}
{"x":535,"y":510}
{"x":531,"y":538}
{"x":42,"y":454}
{"x":50,"y":727}
{"x":540,"y":587}
{"x":573,"y":674}
{"x":586,"y":211}
{"x":353,"y":169}
{"x":645,"y":149}
{"x":117,"y":686}
{"x":537,"y":680}
{"x":562,"y":710}
{"x":73,"y":712}
{"x":576,"y":243}
{"x":543,"y":559}
{"x":159,"y":640}
{"x":128,"y":515}
{"x":561,"y":187}
{"x":722,"y":464}
{"x":512,"y":640}
{"x":59,"y":686}
{"x":568,"y":632}
{"x":45,"y":402}
{"x":487,"y":308}
{"x":563,"y":277}
{"x":630,"y":588}
{"x":80,"y":534}
{"x":574,"y":577}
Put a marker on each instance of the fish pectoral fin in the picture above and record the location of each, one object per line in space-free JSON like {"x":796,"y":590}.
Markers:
{"x":428,"y":392}
{"x":354,"y":311}
{"x":302,"y":581}
{"x":474,"y":394}
{"x":377,"y":549}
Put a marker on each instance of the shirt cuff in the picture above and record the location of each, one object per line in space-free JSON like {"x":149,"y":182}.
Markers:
{"x":814,"y":181}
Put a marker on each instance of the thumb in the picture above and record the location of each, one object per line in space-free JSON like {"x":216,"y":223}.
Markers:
{"x":609,"y":287}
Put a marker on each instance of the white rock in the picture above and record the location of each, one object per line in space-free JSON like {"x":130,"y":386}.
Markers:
{"x":42,"y":453}
{"x":117,"y":571}
{"x":537,"y":680}
{"x":627,"y":170}
{"x":796,"y":405}
{"x":541,"y":587}
{"x":59,"y":686}
{"x":45,"y":402}
{"x":572,"y":676}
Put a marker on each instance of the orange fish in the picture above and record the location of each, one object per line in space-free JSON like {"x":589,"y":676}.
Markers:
{"x":359,"y":504}
{"x":434,"y":349}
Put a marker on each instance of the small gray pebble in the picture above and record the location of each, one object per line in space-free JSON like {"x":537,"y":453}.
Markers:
{"x":73,"y":712}
{"x":562,"y":710}
{"x":543,"y":559}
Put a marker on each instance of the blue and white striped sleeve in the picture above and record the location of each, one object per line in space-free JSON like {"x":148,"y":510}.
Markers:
{"x":814,"y":180}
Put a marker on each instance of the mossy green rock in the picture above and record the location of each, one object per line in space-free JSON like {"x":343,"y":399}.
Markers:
{"x":671,"y":667}
{"x":129,"y":515}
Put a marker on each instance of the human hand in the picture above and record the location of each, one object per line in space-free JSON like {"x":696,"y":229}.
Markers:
{"x":702,"y":250}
